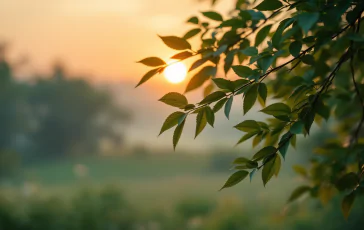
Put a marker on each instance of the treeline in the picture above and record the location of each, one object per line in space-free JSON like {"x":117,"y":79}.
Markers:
{"x":53,"y":116}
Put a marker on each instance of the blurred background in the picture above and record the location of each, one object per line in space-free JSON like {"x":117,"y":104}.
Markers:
{"x":79,"y":146}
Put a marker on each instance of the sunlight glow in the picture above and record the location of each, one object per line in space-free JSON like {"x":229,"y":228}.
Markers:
{"x":175,"y":73}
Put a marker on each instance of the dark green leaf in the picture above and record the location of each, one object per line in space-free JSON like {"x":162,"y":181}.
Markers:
{"x":177,"y":133}
{"x":219,"y":105}
{"x":235,"y":179}
{"x":174,"y":99}
{"x":250,"y":51}
{"x":250,"y":97}
{"x":308,"y":59}
{"x":269,"y":5}
{"x":248,"y":126}
{"x":228,"y":105}
{"x":210,"y":116}
{"x":224,"y":84}
{"x":284,"y":144}
{"x":171,"y":121}
{"x":306,"y":20}
{"x":247,"y":136}
{"x":201,"y":122}
{"x":298,"y":192}
{"x":266,"y":151}
{"x":297,"y":127}
{"x":242,"y":71}
{"x":215,"y":96}
{"x":277,"y":109}
{"x":263,"y":92}
{"x":176,"y":42}
{"x":295,"y":48}
{"x":262,"y":34}
{"x":269,"y":169}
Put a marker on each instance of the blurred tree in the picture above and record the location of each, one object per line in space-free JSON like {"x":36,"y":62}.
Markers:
{"x":306,"y":53}
{"x":54,"y":115}
{"x":71,"y":116}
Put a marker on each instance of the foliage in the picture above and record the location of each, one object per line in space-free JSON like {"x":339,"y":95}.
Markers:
{"x":304,"y":53}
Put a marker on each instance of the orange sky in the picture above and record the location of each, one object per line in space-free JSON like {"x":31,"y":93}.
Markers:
{"x":102,"y":38}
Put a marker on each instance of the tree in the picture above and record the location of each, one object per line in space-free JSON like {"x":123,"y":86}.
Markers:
{"x":307,"y":54}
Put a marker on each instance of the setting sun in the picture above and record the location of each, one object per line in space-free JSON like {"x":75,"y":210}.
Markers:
{"x":175,"y":73}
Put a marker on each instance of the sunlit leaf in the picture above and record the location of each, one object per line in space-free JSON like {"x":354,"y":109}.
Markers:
{"x":183,"y":55}
{"x":277,"y":109}
{"x":177,"y":133}
{"x":152,"y":61}
{"x":176,"y":43}
{"x":147,"y":76}
{"x":201,"y":122}
{"x":215,"y":96}
{"x":174,"y":99}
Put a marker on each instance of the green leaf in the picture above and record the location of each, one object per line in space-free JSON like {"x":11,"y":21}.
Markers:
{"x":197,"y":64}
{"x":298,"y":192}
{"x":308,"y":59}
{"x":242,"y":71}
{"x":297,"y":127}
{"x":307,"y":20}
{"x":251,"y":174}
{"x":192,"y":33}
{"x":263,"y":92}
{"x":210,"y":116}
{"x":248,"y":126}
{"x":198,"y":79}
{"x":284,"y":144}
{"x":219,"y":105}
{"x":228,"y":105}
{"x":174,"y":99}
{"x":171,"y":121}
{"x":347,"y":204}
{"x":215,"y":96}
{"x":269,"y":5}
{"x":243,"y":160}
{"x":277,"y":165}
{"x":148,"y":76}
{"x":348,"y":182}
{"x":224,"y":84}
{"x":264,"y":152}
{"x":183,"y":55}
{"x":277,"y":109}
{"x":152,"y":61}
{"x":220,"y":50}
{"x":250,"y":97}
{"x":295,"y":48}
{"x":262,"y":34}
{"x":277,"y":37}
{"x":177,"y":133}
{"x":269,"y":169}
{"x":213,"y":15}
{"x":176,"y":43}
{"x":201,"y":122}
{"x":250,"y":51}
{"x":193,"y":20}
{"x":247,"y":137}
{"x":235,"y":179}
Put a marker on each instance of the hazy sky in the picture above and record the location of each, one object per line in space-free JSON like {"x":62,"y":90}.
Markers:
{"x":99,"y":37}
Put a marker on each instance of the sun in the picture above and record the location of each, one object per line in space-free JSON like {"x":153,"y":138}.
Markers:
{"x":176,"y":72}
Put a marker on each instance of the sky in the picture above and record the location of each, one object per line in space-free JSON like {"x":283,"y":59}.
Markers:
{"x":102,"y":38}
